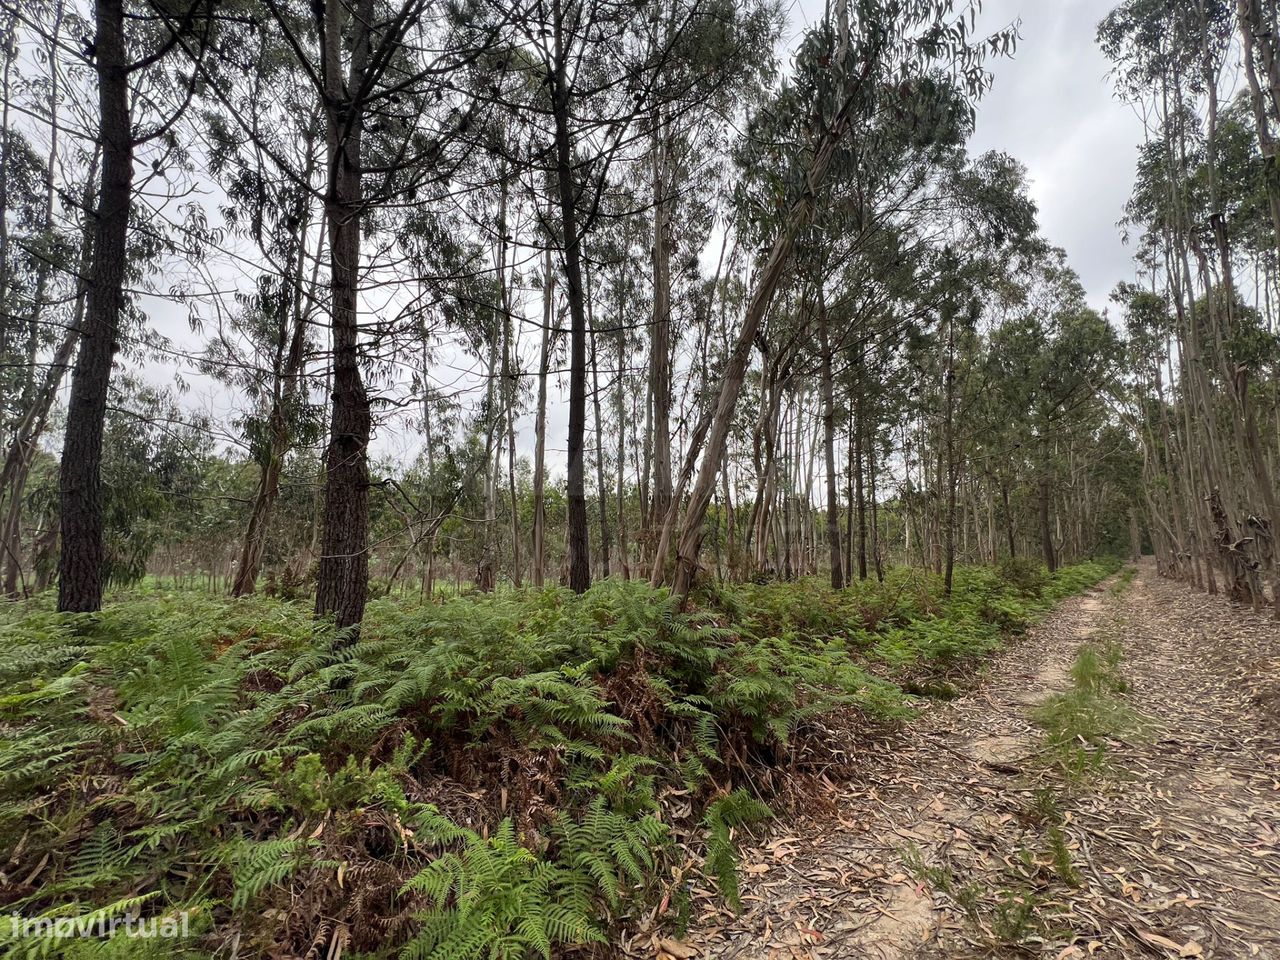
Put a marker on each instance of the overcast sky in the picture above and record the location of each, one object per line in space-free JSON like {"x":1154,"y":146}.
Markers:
{"x":1052,"y":108}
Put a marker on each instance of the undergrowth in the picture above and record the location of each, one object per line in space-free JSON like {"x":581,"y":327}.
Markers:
{"x":1079,"y":721}
{"x":1123,"y":580}
{"x":489,"y":776}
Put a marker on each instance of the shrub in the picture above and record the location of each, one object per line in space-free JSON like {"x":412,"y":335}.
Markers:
{"x":1027,"y":576}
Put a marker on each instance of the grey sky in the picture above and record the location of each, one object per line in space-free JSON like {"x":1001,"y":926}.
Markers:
{"x":1052,"y":108}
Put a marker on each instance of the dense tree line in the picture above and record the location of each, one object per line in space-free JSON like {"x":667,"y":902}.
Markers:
{"x":1200,"y":389}
{"x":796,"y":327}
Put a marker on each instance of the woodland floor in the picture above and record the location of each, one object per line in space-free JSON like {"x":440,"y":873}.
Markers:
{"x":944,"y":845}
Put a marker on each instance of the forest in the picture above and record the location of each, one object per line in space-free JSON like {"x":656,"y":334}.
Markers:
{"x":565,"y":478}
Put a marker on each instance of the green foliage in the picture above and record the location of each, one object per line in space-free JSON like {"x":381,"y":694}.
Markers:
{"x":1079,"y":721}
{"x":1015,"y":917}
{"x":737,"y":809}
{"x":497,"y":898}
{"x":257,"y":865}
{"x":612,"y":848}
{"x":1063,"y":864}
{"x":1026,"y":575}
{"x":234,"y":759}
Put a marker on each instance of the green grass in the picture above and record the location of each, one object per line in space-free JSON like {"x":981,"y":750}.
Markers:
{"x":485,"y":776}
{"x":1123,"y":580}
{"x":1078,"y":722}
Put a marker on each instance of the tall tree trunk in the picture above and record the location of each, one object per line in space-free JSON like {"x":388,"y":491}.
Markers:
{"x":288,"y":367}
{"x":540,"y":427}
{"x":875,"y":507}
{"x":1046,"y":530}
{"x":621,"y":401}
{"x":20,"y":454}
{"x":486,"y":569}
{"x":829,"y":447}
{"x":80,"y":565}
{"x":579,"y":548}
{"x":602,"y":499}
{"x":1008,"y":520}
{"x":660,"y":339}
{"x":693,"y":530}
{"x":509,"y":382}
{"x":11,"y":537}
{"x":850,"y":499}
{"x":342,"y":582}
{"x":859,"y":492}
{"x":949,"y":533}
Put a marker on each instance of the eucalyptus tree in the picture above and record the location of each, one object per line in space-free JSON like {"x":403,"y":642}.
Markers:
{"x":992,"y":233}
{"x":861,"y":256}
{"x":717,"y":69}
{"x":157,"y":486}
{"x":1259,"y":24}
{"x":1187,"y":207}
{"x":843,"y":73}
{"x":622,"y":294}
{"x":265,"y":152}
{"x":47,"y":181}
{"x":604,"y":79}
{"x":1050,"y":362}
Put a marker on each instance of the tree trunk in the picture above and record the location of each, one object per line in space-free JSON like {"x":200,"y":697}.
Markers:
{"x":623,"y":550}
{"x":875,"y":508}
{"x":288,"y":367}
{"x":693,"y":529}
{"x":80,"y":565}
{"x":829,"y":447}
{"x":540,"y":428}
{"x":509,"y":382}
{"x":602,"y":499}
{"x":35,"y":418}
{"x":859,"y":492}
{"x":950,"y":528}
{"x":1046,"y":531}
{"x":486,"y":568}
{"x":578,"y":537}
{"x":660,"y":342}
{"x":1008,"y":521}
{"x":342,"y":582}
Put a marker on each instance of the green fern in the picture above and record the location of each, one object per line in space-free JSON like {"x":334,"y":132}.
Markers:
{"x":737,"y":809}
{"x":495,"y":898}
{"x":257,"y":865}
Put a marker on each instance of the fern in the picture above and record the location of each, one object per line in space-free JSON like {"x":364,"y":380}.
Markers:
{"x":257,"y":865}
{"x":172,"y":747}
{"x":495,"y":898}
{"x":613,"y":849}
{"x":737,"y":809}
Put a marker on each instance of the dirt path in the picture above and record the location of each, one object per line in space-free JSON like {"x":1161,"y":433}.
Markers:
{"x":973,"y":838}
